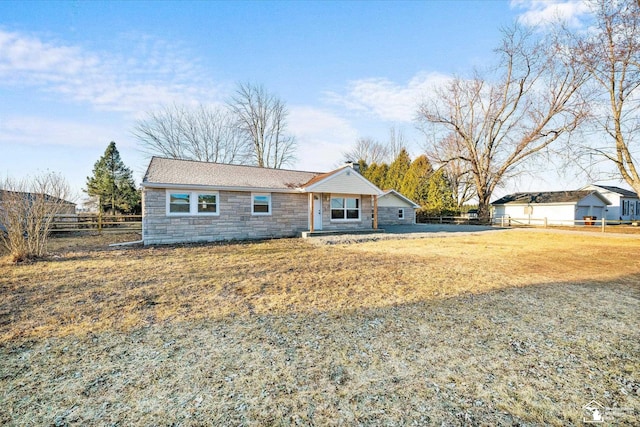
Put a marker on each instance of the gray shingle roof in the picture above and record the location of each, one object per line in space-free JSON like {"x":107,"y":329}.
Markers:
{"x":544,"y":197}
{"x":622,"y":191}
{"x":187,"y":172}
{"x":31,"y":196}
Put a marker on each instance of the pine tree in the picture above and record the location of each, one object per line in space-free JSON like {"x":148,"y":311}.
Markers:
{"x":397,"y":171}
{"x":112,"y":183}
{"x":362,"y":167}
{"x":414,"y":185}
{"x":377,"y":174}
{"x":440,"y":200}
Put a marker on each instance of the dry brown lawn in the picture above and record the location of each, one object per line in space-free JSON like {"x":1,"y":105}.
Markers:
{"x":507,"y":328}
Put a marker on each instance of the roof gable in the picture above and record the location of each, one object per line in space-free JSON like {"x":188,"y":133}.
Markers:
{"x":344,"y":180}
{"x":621,"y":191}
{"x":548,"y":197}
{"x":388,"y":196}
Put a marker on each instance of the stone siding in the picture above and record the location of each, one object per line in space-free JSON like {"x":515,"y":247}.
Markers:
{"x":288,"y":218}
{"x":388,"y":215}
{"x":235,"y":221}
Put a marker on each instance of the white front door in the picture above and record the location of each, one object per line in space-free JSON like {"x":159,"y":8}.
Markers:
{"x":317,"y":211}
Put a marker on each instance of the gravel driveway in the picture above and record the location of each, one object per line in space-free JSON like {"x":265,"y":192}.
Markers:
{"x":405,"y":232}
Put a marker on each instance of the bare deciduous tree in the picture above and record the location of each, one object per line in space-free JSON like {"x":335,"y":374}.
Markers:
{"x":205,"y":133}
{"x":446,"y":154}
{"x":261,"y":118}
{"x":610,"y":51}
{"x":503,"y":119}
{"x":397,"y":142}
{"x":27,"y":210}
{"x":369,"y":150}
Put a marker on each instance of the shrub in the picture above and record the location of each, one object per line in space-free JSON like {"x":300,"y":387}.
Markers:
{"x":27,"y":210}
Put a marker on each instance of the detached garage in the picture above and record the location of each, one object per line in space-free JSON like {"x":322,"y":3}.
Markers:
{"x":557,"y":207}
{"x":396,"y":209}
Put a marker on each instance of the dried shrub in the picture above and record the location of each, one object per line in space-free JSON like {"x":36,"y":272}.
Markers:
{"x":27,"y":210}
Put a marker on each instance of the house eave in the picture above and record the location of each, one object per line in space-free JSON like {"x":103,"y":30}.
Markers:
{"x":413,"y":204}
{"x":160,"y":185}
{"x":535,"y":204}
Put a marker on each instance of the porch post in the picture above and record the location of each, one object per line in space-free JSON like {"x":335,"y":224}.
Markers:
{"x":375,"y":211}
{"x":311,"y":207}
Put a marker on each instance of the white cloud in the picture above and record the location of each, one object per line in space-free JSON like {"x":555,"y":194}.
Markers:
{"x":152,"y":72}
{"x":322,"y":137}
{"x":543,"y":12}
{"x":388,"y":100}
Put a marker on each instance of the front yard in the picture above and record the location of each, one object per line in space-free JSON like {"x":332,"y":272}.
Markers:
{"x":505,"y":328}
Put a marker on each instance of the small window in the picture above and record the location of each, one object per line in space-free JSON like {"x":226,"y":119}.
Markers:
{"x":261,"y":204}
{"x":345,"y":208}
{"x":401,"y":213}
{"x":179,"y":202}
{"x":207,"y":203}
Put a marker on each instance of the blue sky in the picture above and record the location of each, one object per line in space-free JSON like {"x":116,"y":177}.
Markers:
{"x":75,"y":75}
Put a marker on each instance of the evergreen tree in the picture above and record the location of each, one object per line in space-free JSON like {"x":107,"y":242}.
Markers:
{"x":362,"y":167}
{"x":397,"y":171}
{"x":440,"y":200}
{"x":112,"y":183}
{"x":414,"y":185}
{"x":377,"y":174}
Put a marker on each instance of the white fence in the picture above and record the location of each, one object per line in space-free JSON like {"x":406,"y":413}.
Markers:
{"x":508,"y":221}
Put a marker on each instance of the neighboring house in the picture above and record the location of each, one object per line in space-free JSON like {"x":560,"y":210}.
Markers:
{"x":396,"y":209}
{"x":189,"y":201}
{"x":558,"y":207}
{"x":65,"y":207}
{"x":625,"y":204}
{"x":471,"y":214}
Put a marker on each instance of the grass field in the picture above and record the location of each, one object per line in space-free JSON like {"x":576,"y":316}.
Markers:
{"x":508,"y":328}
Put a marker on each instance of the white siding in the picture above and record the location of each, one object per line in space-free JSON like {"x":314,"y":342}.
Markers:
{"x":561,"y":214}
{"x":391,"y":200}
{"x":614,"y":211}
{"x":347,"y":182}
{"x":556,"y":214}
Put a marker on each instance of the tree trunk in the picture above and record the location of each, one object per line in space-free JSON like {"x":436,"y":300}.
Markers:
{"x":484,"y":207}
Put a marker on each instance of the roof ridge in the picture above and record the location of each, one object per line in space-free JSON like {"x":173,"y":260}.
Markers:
{"x":234,"y":164}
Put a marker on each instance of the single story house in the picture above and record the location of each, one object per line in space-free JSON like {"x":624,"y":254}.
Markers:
{"x":396,"y":209}
{"x":63,"y":207}
{"x":191,"y":201}
{"x":556,"y":207}
{"x":625,"y":204}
